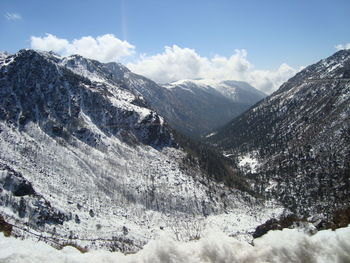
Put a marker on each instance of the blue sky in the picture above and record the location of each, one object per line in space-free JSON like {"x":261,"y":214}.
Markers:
{"x":295,"y":32}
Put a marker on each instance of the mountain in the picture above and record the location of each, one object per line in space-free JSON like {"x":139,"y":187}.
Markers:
{"x":85,"y":161}
{"x":200,"y":106}
{"x":191,"y":107}
{"x":237,"y":91}
{"x":295,"y":144}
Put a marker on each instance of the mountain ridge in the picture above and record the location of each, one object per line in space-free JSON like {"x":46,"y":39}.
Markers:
{"x":193,"y":113}
{"x":294,"y":143}
{"x":204,"y":105}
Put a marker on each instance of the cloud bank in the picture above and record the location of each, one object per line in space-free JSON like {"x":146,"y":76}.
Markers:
{"x":343,"y":46}
{"x":13,"y":16}
{"x":174,"y":63}
{"x":105,"y":48}
{"x":183,"y":63}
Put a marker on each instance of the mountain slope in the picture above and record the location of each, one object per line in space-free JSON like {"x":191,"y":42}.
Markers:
{"x":236,"y":91}
{"x":84,"y":161}
{"x":191,"y":107}
{"x":200,"y":106}
{"x":294,"y":145}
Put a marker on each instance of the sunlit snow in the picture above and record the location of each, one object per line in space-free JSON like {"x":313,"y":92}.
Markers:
{"x":288,"y":245}
{"x":248,"y":162}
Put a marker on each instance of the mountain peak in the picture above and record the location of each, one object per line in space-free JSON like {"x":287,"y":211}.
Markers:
{"x":342,"y":54}
{"x":230,"y":89}
{"x":336,"y":66}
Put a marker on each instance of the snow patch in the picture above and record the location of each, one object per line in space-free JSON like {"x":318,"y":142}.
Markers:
{"x":248,"y":162}
{"x":211,"y":134}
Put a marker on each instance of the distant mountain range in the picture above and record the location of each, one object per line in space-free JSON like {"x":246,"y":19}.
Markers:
{"x":196,"y":107}
{"x":295,"y":144}
{"x":193,"y":107}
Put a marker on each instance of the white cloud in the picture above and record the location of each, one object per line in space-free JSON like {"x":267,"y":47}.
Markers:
{"x":13,"y":16}
{"x":270,"y":80}
{"x":343,"y":46}
{"x":49,"y":43}
{"x":183,"y":63}
{"x":174,"y":63}
{"x":105,"y":48}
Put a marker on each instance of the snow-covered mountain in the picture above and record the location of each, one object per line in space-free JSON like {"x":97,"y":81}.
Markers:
{"x":202,"y":105}
{"x":294,"y":145}
{"x":193,"y":107}
{"x":83,"y":160}
{"x":237,"y":91}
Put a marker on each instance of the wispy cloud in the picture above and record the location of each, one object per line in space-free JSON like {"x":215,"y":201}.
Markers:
{"x":343,"y":46}
{"x":13,"y":16}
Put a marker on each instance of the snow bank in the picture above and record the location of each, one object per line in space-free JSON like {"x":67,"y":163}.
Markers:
{"x":277,"y":246}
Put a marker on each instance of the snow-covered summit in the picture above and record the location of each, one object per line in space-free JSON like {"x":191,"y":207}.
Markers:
{"x":3,"y":54}
{"x":3,"y":58}
{"x":237,"y":91}
{"x":202,"y":105}
{"x":335,"y":67}
{"x":94,"y":70}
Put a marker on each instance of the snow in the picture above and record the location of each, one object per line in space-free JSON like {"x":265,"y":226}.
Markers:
{"x":248,"y":162}
{"x":5,"y":59}
{"x":288,"y":245}
{"x":126,"y":185}
{"x":200,"y":83}
{"x":81,"y":69}
{"x":204,"y":83}
{"x":243,"y":220}
{"x":211,"y":134}
{"x":237,"y":91}
{"x":109,"y":178}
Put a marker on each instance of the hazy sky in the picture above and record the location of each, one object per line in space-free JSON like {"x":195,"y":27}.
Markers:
{"x":167,"y":40}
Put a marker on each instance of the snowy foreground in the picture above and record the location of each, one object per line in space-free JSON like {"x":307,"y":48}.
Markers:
{"x":289,"y":245}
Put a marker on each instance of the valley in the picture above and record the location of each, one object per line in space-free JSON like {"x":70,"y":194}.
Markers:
{"x":92,"y":154}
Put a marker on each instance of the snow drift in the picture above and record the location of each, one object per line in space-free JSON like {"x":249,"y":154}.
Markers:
{"x":288,"y":245}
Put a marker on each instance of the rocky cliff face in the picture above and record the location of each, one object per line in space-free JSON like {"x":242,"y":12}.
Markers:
{"x":84,"y":160}
{"x":294,"y":145}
